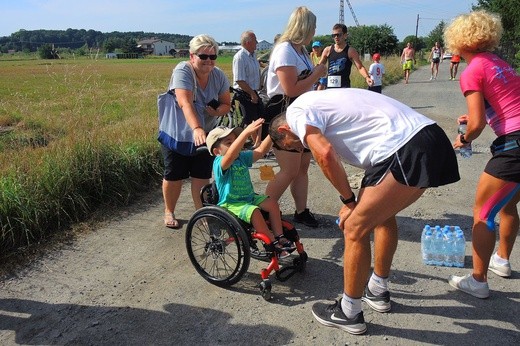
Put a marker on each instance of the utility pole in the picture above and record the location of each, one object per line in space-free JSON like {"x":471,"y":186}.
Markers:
{"x":341,"y":12}
{"x":416,"y":29}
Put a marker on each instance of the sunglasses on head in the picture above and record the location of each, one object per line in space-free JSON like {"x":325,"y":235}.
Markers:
{"x":206,"y":56}
{"x":336,"y":35}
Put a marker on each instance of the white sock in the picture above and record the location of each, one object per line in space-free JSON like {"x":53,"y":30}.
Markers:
{"x":377,"y":285}
{"x":478,"y":283}
{"x":350,"y":306}
{"x":499,"y":260}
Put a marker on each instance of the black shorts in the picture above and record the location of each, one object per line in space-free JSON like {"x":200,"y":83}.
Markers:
{"x":436,"y":60}
{"x":427,"y":160}
{"x":505,"y":165}
{"x":180,"y":167}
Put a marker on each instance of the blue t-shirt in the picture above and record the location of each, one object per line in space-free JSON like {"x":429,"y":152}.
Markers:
{"x":234,"y":184}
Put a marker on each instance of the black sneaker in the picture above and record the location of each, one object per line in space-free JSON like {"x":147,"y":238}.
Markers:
{"x":333,"y":316}
{"x":306,"y":218}
{"x":379,"y":303}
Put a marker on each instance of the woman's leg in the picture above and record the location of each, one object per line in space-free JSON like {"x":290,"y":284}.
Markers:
{"x":483,"y":240}
{"x":300,"y":184}
{"x":287,"y":161}
{"x":508,"y":230}
{"x":197,"y":185}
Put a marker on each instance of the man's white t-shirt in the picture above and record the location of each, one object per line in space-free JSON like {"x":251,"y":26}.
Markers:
{"x":364,"y":127}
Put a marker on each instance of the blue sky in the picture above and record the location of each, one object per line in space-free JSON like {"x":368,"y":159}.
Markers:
{"x":225,"y":20}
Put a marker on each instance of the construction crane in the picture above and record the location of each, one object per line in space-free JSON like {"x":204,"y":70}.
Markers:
{"x":342,"y":12}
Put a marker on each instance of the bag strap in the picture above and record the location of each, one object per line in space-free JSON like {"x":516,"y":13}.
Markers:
{"x":194,"y":81}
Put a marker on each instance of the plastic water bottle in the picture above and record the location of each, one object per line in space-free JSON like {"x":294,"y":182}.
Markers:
{"x":426,"y":244}
{"x":449,"y":248}
{"x":438,"y":249}
{"x":460,"y":249}
{"x":465,"y":151}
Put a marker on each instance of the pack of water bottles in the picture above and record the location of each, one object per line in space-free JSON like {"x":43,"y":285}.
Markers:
{"x":443,"y":246}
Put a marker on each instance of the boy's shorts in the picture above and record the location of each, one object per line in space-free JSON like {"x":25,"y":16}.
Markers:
{"x":244,"y":210}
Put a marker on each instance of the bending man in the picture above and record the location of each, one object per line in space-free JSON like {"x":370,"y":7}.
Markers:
{"x":403,"y":153}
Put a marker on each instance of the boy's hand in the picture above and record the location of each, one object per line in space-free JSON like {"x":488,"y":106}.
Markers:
{"x":254,"y":126}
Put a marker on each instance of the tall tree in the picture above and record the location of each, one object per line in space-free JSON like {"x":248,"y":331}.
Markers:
{"x":509,"y":10}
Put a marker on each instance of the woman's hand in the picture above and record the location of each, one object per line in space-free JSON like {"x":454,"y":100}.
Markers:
{"x":462,"y":119}
{"x":199,"y":135}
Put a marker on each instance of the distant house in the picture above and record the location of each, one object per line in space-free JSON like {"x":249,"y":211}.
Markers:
{"x":182,"y":53}
{"x":111,"y":56}
{"x":264,"y":45}
{"x":155,"y":46}
{"x":229,"y":48}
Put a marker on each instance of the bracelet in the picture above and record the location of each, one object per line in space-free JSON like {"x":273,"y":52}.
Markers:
{"x":348,"y":200}
{"x":198,"y":127}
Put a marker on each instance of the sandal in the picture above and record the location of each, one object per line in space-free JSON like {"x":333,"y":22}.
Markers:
{"x":170,"y":221}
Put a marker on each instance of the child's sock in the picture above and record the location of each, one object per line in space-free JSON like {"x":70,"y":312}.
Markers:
{"x":377,"y":285}
{"x":350,"y":306}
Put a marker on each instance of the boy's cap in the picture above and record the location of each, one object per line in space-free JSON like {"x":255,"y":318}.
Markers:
{"x":376,"y":57}
{"x":316,"y":44}
{"x":220,"y":132}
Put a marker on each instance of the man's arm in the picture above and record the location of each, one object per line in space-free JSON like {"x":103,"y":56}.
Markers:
{"x":244,"y":86}
{"x":354,"y":56}
{"x":325,"y":55}
{"x":328,"y":160}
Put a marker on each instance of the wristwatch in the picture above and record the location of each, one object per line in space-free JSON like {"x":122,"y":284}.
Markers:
{"x":348,"y":200}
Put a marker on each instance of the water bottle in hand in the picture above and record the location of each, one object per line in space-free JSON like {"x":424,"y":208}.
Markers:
{"x":465,"y":151}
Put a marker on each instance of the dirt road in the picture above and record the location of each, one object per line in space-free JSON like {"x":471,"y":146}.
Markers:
{"x":130,"y":282}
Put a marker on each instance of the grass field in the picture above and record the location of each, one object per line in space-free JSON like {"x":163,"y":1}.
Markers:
{"x":80,"y":134}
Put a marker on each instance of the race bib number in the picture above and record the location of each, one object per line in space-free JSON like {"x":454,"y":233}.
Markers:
{"x":334,"y":82}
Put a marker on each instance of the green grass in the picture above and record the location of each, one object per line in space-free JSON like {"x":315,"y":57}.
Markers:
{"x":80,"y":134}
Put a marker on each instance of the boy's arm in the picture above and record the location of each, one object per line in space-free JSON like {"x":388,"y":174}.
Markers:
{"x":237,"y":145}
{"x":262,"y":149}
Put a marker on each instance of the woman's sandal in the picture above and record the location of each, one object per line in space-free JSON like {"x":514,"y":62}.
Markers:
{"x":170,"y":221}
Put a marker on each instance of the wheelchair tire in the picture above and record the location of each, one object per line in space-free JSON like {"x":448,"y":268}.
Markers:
{"x":217,"y":246}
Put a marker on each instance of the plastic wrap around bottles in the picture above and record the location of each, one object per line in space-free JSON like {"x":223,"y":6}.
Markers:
{"x":443,"y":246}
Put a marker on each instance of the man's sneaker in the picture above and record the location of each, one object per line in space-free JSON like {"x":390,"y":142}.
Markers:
{"x":503,"y":270}
{"x":469,"y":285}
{"x":379,"y":303}
{"x":333,"y":316}
{"x":306,"y":218}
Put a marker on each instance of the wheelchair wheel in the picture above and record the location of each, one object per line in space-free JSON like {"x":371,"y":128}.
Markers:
{"x":218,"y":246}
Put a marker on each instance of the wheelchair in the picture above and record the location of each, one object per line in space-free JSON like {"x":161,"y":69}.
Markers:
{"x":220,"y":246}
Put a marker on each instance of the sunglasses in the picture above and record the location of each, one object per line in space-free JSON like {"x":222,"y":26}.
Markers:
{"x":336,"y":35}
{"x":206,"y":56}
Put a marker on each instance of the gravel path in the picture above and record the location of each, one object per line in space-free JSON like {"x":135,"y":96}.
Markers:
{"x":130,"y":282}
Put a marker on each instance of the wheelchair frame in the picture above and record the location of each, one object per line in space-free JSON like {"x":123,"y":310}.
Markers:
{"x":220,"y":246}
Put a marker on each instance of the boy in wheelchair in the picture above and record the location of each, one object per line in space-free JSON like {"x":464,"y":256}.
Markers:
{"x":234,"y":185}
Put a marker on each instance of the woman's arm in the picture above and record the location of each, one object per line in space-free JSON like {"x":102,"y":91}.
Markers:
{"x":292,"y":85}
{"x":185,"y":101}
{"x":476,"y":118}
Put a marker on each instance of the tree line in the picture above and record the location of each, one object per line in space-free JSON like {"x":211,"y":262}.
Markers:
{"x":77,"y":39}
